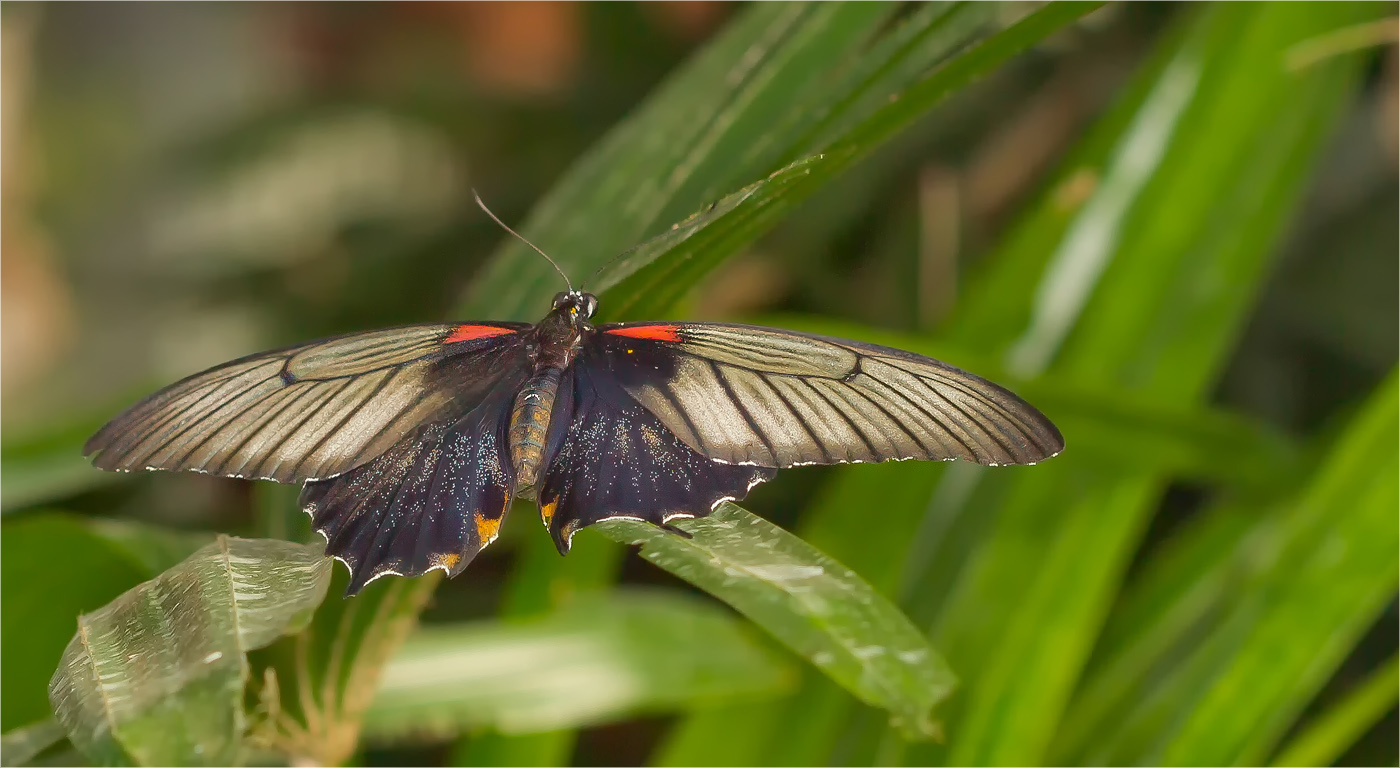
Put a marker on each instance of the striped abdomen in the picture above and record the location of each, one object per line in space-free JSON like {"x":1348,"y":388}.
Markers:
{"x":529,"y":424}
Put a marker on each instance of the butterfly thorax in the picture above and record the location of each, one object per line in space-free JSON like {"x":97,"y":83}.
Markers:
{"x":557,"y":340}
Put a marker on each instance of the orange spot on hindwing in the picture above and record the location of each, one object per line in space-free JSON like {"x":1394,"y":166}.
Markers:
{"x":487,"y":528}
{"x":654,"y":332}
{"x":474,"y":332}
{"x":448,"y":560}
{"x":547,"y":512}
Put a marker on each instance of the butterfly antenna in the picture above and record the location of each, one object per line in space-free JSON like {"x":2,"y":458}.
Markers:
{"x":552,"y":263}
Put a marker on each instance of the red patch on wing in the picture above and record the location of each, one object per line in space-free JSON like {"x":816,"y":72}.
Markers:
{"x":472,"y":332}
{"x":653,"y":332}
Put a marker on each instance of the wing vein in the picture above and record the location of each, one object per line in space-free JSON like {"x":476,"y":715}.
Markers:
{"x":346,"y":419}
{"x":801,"y":422}
{"x":743,"y":410}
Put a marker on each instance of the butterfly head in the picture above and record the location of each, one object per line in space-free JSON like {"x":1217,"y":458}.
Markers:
{"x":578,"y":304}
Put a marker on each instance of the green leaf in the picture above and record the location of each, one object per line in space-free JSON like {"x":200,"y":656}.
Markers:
{"x":599,"y":659}
{"x":157,"y":549}
{"x":1331,"y":733}
{"x":541,"y":583}
{"x":811,"y":720}
{"x":156,"y":677}
{"x":48,"y":465}
{"x":962,"y":42}
{"x":37,"y":479}
{"x":53,"y":567}
{"x":1215,"y":599}
{"x":1142,"y":286}
{"x":678,"y":150}
{"x":813,"y":604}
{"x":1177,"y":591}
{"x":830,"y":79}
{"x":1320,"y":577}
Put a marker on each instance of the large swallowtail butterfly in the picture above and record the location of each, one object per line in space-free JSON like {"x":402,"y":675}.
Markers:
{"x":414,"y":442}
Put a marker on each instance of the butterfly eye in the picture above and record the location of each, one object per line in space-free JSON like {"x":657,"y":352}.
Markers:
{"x":560,"y":298}
{"x":590,"y":304}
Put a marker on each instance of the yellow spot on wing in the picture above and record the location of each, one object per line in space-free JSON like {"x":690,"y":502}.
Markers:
{"x":487,"y":528}
{"x":447,"y":560}
{"x":547,"y":512}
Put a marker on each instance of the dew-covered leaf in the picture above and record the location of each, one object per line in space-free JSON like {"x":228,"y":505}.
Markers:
{"x":819,"y":608}
{"x":156,"y":676}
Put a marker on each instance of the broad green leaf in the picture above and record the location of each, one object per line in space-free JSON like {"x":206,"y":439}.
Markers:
{"x":813,"y":604}
{"x":1327,"y":737}
{"x":812,"y":718}
{"x":53,"y":567}
{"x":156,"y":677}
{"x":598,"y":659}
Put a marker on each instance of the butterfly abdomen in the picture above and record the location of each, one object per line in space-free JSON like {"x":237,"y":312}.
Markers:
{"x":529,"y":424}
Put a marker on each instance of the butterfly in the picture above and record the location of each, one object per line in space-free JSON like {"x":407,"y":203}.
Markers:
{"x":414,"y":442}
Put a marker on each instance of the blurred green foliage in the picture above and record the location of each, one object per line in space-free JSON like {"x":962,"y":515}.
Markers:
{"x":1172,"y":227}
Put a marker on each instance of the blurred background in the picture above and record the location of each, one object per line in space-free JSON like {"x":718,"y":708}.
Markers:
{"x":184,"y":184}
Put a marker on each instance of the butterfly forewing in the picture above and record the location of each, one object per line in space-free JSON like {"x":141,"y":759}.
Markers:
{"x":310,"y":411}
{"x":747,"y":395}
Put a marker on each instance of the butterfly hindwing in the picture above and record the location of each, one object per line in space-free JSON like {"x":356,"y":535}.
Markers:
{"x":310,"y":411}
{"x":609,"y":457}
{"x":432,"y":501}
{"x":749,"y":395}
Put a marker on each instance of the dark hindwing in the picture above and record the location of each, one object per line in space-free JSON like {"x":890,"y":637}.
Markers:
{"x":612,"y":458}
{"x":432,"y":501}
{"x":309,"y":411}
{"x":745,"y":394}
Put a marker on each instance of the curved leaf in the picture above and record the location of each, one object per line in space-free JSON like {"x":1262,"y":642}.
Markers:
{"x":944,"y":52}
{"x":813,"y":604}
{"x":825,"y":81}
{"x":156,"y":677}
